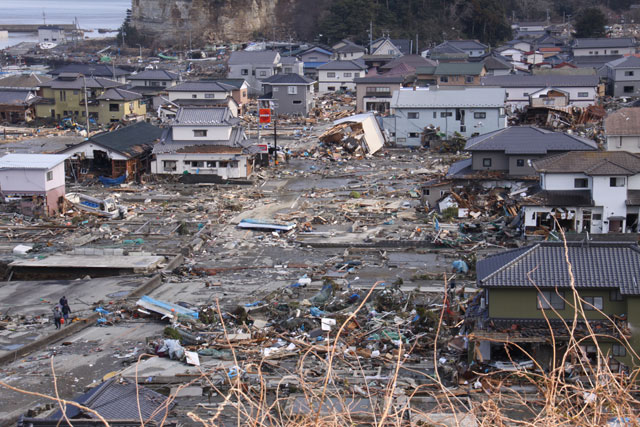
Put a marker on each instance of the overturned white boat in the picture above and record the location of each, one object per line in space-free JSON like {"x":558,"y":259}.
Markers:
{"x":102,"y":207}
{"x":47,"y":45}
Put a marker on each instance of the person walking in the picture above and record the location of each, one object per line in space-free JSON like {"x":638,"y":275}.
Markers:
{"x":57,"y":315}
{"x":66,"y":310}
{"x":63,"y":301}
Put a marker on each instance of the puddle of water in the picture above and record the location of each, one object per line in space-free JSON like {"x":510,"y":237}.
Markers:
{"x":119,"y":294}
{"x":11,"y":347}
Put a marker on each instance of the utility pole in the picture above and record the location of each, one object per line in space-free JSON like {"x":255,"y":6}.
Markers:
{"x":370,"y":36}
{"x":275,"y":138}
{"x":86,"y":103}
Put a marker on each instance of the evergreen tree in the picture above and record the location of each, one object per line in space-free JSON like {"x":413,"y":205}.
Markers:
{"x":590,"y":23}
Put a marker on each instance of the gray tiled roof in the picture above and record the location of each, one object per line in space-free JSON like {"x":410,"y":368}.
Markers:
{"x":15,"y":97}
{"x":594,"y":265}
{"x":24,"y":80}
{"x":287,"y":79}
{"x":350,"y":47}
{"x":378,"y":79}
{"x":241,"y":57}
{"x":95,"y":70}
{"x":189,"y":116}
{"x":154,"y":75}
{"x":537,"y":80}
{"x":591,"y":163}
{"x":202,"y":86}
{"x":528,"y":140}
{"x":463,"y":44}
{"x":170,"y":145}
{"x":599,"y":43}
{"x":343,"y":65}
{"x":117,"y":94}
{"x":115,"y":400}
{"x":470,"y":96}
{"x":79,"y":82}
{"x":131,"y":140}
{"x":625,"y":121}
{"x":632,"y":61}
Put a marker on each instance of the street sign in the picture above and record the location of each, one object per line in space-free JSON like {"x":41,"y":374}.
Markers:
{"x":265,"y":115}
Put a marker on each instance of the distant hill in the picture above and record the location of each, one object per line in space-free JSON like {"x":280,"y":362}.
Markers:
{"x":176,"y":22}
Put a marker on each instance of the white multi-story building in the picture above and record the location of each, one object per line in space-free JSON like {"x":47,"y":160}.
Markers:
{"x":593,"y":191}
{"x":339,"y":75}
{"x":202,"y":140}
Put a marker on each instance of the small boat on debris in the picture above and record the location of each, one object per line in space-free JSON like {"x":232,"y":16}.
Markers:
{"x":102,"y":207}
{"x":47,"y":45}
{"x":258,"y":224}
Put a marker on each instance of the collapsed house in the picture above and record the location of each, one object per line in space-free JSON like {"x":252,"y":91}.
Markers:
{"x":355,"y":135}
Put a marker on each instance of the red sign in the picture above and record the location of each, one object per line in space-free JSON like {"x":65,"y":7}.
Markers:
{"x":265,"y":115}
{"x":263,"y":148}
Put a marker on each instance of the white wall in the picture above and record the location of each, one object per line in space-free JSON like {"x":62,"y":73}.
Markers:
{"x":198,"y":95}
{"x":603,"y":51}
{"x":214,"y":133}
{"x":612,"y":199}
{"x":519,"y":96}
{"x":338,"y":80}
{"x":562,"y":181}
{"x":87,"y":148}
{"x":239,"y":171}
{"x":623,"y":143}
{"x":31,"y":180}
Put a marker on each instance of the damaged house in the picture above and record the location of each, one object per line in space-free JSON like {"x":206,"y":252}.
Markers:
{"x":585,"y":191}
{"x":203,"y":141}
{"x":125,"y":151}
{"x":35,"y":181}
{"x":460,"y":111}
{"x":526,"y":286}
{"x":622,"y":130}
{"x":507,"y":154}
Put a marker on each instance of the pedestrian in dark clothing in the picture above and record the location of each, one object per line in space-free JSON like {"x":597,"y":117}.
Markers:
{"x":63,"y":301}
{"x":66,"y":310}
{"x":57,"y":315}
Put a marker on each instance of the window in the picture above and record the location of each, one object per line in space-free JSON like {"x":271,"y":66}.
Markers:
{"x":614,"y":52}
{"x":413,"y":115}
{"x":479,"y":115}
{"x":627,"y":89}
{"x":169,"y":165}
{"x":435,"y":114}
{"x":209,"y":95}
{"x":469,"y":79}
{"x":331,"y":88}
{"x":592,"y":303}
{"x":297,"y":101}
{"x":486,"y":163}
{"x":194,"y":95}
{"x":628,"y":73}
{"x":580,"y":183}
{"x":583,"y":94}
{"x":292,"y":90}
{"x":520,"y":163}
{"x":550,"y":299}
{"x":244,"y":72}
{"x":615,"y":295}
{"x":446,"y":114}
{"x":616,"y":181}
{"x":413,"y":135}
{"x":199,"y":132}
{"x":195,"y":163}
{"x":596,"y":217}
{"x":164,"y":83}
{"x":114,"y":107}
{"x":331,"y":74}
{"x":347,"y":74}
{"x":426,"y":191}
{"x":444,"y":79}
{"x":263,"y":73}
{"x":274,"y":89}
{"x":618,"y":350}
{"x":63,"y":95}
{"x":50,"y":176}
{"x":75,"y":92}
{"x":288,"y":70}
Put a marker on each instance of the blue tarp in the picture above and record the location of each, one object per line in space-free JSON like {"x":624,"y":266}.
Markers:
{"x":178,"y":309}
{"x":110,"y":182}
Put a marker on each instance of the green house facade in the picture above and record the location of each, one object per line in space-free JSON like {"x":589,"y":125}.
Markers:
{"x":529,"y":299}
